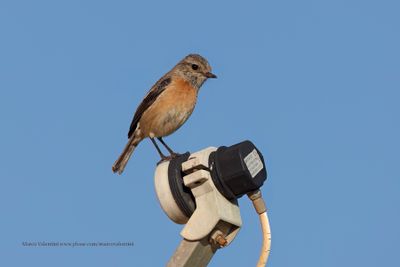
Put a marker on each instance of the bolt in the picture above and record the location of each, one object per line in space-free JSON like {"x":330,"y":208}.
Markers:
{"x":221,"y":240}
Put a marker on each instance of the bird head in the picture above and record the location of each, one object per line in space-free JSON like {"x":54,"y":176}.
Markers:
{"x":195,"y":69}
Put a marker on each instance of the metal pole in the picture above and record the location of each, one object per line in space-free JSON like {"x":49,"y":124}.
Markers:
{"x":193,"y":253}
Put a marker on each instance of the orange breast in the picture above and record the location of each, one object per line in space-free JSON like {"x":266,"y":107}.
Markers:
{"x":170,"y":110}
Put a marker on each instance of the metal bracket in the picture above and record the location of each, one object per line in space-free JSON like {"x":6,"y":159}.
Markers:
{"x":213,"y":210}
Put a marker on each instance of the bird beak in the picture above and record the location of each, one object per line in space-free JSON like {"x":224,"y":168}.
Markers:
{"x":210,"y":75}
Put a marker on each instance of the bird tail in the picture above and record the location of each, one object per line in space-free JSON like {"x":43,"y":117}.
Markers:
{"x":120,"y":163}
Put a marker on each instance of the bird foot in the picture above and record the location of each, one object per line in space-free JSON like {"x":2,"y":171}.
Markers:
{"x":168,"y":158}
{"x":175,"y":155}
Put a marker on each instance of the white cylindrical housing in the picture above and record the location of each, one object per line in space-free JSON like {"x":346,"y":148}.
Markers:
{"x":165,"y":196}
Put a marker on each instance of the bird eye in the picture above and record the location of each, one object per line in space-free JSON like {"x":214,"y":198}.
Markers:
{"x":195,"y":67}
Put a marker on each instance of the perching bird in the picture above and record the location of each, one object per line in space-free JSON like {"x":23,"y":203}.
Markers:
{"x":167,"y":105}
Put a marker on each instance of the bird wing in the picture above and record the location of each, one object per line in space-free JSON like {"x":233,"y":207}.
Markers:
{"x":149,"y":99}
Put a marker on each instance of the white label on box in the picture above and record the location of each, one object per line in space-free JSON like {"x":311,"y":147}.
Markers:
{"x":253,"y":163}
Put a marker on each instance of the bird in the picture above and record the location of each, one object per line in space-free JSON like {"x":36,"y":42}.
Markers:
{"x":166,"y":107}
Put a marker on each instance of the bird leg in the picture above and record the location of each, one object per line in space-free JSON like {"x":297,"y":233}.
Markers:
{"x":163,"y":157}
{"x":173,"y":154}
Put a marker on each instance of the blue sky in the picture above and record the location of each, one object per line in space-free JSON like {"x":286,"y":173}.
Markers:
{"x":314,"y":84}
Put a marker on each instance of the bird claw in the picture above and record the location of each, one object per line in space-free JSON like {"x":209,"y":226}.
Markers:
{"x":175,"y":155}
{"x":168,"y":158}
